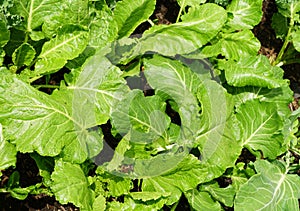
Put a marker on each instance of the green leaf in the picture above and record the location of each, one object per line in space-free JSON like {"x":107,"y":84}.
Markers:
{"x":197,"y":28}
{"x":144,"y":117}
{"x":184,"y":3}
{"x":223,"y":195}
{"x":280,"y":25}
{"x":218,"y":133}
{"x":202,"y":201}
{"x":101,"y":86}
{"x":185,"y":176}
{"x":296,"y":40}
{"x":75,"y":12}
{"x":8,"y":153}
{"x":34,"y":121}
{"x":35,"y":12}
{"x":253,"y":71}
{"x":68,"y":44}
{"x":4,"y":33}
{"x":99,"y":203}
{"x":234,"y":46}
{"x":23,"y":55}
{"x":71,"y":185}
{"x":246,"y":13}
{"x":103,"y":29}
{"x":264,"y":133}
{"x":130,"y":13}
{"x":278,"y":190}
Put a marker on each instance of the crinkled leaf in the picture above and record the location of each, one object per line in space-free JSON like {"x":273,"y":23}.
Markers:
{"x":8,"y":153}
{"x":35,"y":12}
{"x":68,"y":44}
{"x":260,"y":126}
{"x":202,"y":201}
{"x":234,"y":46}
{"x":34,"y":121}
{"x":197,"y":28}
{"x":103,"y":29}
{"x":253,"y":71}
{"x":99,"y":203}
{"x":69,"y":12}
{"x":288,"y":8}
{"x":246,"y":13}
{"x":23,"y":55}
{"x":271,"y":189}
{"x":130,"y":13}
{"x":145,"y":118}
{"x":71,"y":185}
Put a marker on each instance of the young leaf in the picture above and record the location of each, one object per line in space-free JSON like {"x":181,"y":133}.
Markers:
{"x":264,"y":133}
{"x":202,"y":201}
{"x":23,"y":55}
{"x":271,"y":189}
{"x":197,"y":28}
{"x":35,"y":121}
{"x":130,"y":13}
{"x":246,"y":13}
{"x":8,"y":152}
{"x":253,"y":71}
{"x":68,"y":44}
{"x":71,"y":185}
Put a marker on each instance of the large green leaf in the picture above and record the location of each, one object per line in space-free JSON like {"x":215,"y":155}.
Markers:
{"x":71,"y":185}
{"x":8,"y":153}
{"x":271,"y":189}
{"x":68,"y":44}
{"x":253,"y":71}
{"x":260,"y":126}
{"x":246,"y":13}
{"x":130,"y":13}
{"x":218,"y":134}
{"x":34,"y":121}
{"x":234,"y":46}
{"x":35,"y":12}
{"x":197,"y":28}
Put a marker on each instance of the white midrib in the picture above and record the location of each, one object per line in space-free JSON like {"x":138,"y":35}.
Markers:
{"x":256,"y":131}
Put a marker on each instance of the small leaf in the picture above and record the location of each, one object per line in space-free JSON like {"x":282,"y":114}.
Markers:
{"x":4,"y":34}
{"x":184,"y":3}
{"x":23,"y":55}
{"x":8,"y":153}
{"x":71,"y":185}
{"x":271,"y":189}
{"x":246,"y":13}
{"x":68,"y":44}
{"x":130,"y":13}
{"x":296,"y":40}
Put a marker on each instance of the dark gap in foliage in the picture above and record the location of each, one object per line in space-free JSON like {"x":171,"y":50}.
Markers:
{"x":29,"y":172}
{"x":137,"y":185}
{"x":246,"y":157}
{"x":195,"y":152}
{"x":224,"y":181}
{"x":183,"y":204}
{"x":110,"y":143}
{"x":175,"y":117}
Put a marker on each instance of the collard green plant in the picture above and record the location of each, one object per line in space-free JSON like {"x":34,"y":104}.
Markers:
{"x":176,"y":105}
